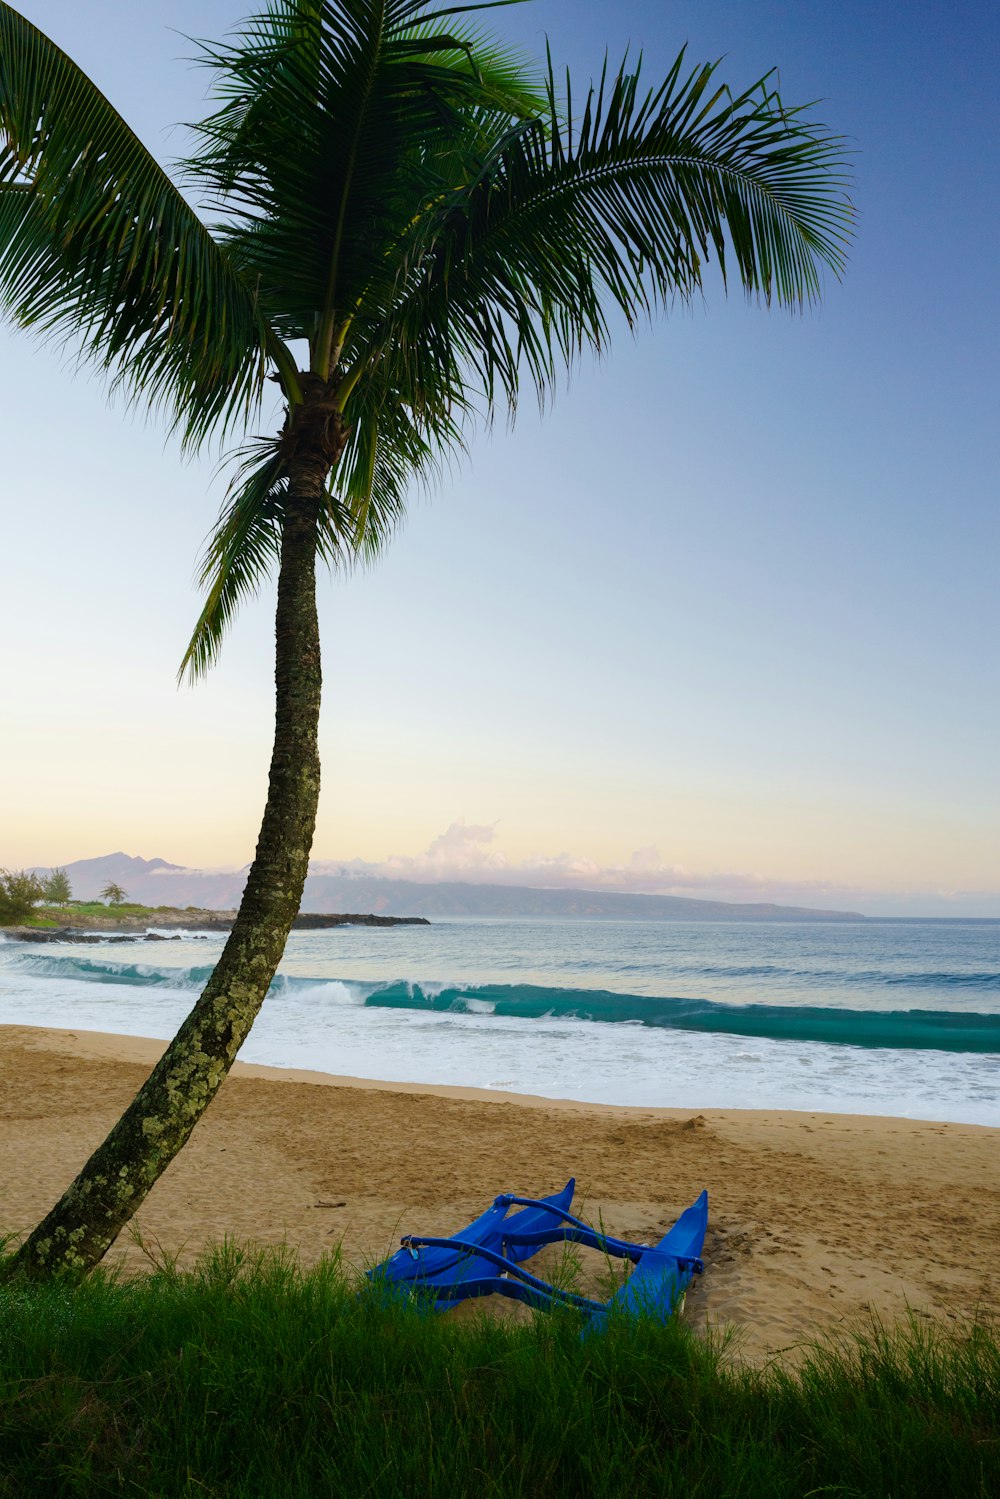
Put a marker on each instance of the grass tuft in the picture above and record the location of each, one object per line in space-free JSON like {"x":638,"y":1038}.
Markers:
{"x":250,"y":1376}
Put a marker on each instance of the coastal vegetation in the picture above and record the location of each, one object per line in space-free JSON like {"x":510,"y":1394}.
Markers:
{"x":94,"y":914}
{"x":251,"y":1376}
{"x":411,"y":225}
{"x":83,"y":920}
{"x":56,"y":887}
{"x":20,"y":893}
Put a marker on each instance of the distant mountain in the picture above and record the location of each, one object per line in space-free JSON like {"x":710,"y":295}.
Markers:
{"x":155,"y":882}
{"x":394,"y":897}
{"x":89,"y":876}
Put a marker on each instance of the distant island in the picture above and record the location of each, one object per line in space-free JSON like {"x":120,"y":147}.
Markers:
{"x":157,"y":882}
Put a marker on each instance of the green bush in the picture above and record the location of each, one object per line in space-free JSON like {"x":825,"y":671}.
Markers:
{"x":20,"y":893}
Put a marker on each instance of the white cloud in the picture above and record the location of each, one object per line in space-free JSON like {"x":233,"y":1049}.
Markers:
{"x":466,"y":852}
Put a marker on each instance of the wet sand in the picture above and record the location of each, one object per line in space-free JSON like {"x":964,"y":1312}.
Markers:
{"x":814,"y":1219}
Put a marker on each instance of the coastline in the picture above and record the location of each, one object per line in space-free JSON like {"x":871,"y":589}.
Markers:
{"x":816,"y":1220}
{"x":89,"y":927}
{"x":720,"y":1019}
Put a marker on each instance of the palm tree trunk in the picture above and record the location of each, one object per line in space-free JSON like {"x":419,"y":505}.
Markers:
{"x":93,"y":1210}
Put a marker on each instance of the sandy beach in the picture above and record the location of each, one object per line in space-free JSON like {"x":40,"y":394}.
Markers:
{"x":815,"y":1219}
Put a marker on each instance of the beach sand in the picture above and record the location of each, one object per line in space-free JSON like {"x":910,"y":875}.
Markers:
{"x":815,"y":1219}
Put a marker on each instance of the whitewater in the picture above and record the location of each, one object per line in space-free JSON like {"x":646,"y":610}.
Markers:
{"x":888,"y":1017}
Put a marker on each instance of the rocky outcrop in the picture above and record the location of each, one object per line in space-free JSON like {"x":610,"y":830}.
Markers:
{"x":309,"y":921}
{"x":74,"y":934}
{"x":135,"y":928}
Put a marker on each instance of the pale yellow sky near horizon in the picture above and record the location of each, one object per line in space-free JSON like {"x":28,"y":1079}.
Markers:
{"x":101,"y":751}
{"x":162,"y":797}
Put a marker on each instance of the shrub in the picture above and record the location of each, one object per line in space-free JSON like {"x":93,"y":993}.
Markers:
{"x":56,"y":887}
{"x":20,"y":892}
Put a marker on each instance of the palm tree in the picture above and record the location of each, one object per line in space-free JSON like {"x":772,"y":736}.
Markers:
{"x":407,"y":224}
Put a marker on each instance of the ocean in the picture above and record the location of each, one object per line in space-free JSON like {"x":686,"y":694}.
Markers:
{"x":877,"y":1017}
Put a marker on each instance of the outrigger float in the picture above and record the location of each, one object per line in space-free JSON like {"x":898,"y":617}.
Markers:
{"x":484,"y":1259}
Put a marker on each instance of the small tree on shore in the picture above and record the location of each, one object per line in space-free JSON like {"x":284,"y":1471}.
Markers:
{"x":56,"y":887}
{"x":20,"y":893}
{"x":114,"y":894}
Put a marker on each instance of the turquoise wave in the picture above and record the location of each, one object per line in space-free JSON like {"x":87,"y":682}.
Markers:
{"x":861,"y":977}
{"x":138,"y":975}
{"x":940,"y":1030}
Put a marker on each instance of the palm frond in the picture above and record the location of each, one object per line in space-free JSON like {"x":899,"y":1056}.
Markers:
{"x":389,"y":451}
{"x":363,"y":507}
{"x":98,"y":247}
{"x":241,"y":551}
{"x":333,"y":120}
{"x":624,"y":207}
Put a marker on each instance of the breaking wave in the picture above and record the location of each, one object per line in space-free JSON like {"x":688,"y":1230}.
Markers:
{"x":913,"y":1029}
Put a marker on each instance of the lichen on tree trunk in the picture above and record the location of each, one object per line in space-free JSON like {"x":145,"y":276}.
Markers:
{"x":95,"y":1207}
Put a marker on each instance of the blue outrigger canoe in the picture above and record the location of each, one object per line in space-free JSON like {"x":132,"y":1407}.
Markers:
{"x":485,"y":1259}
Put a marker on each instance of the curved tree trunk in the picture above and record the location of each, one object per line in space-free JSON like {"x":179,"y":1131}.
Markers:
{"x":93,"y":1210}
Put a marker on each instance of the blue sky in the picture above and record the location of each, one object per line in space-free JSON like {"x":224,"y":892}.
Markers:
{"x":733,"y":599}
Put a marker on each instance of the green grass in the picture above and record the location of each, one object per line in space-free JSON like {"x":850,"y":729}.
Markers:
{"x":70,"y":914}
{"x":78,"y":908}
{"x":250,"y":1376}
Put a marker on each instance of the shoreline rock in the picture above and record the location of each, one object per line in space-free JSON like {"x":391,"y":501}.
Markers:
{"x":135,"y":928}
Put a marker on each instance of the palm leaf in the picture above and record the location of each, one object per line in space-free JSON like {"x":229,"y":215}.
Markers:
{"x":364,"y":505}
{"x":332,"y":119}
{"x":388,"y":451}
{"x":241,"y":551}
{"x":625,"y":207}
{"x":98,"y":247}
